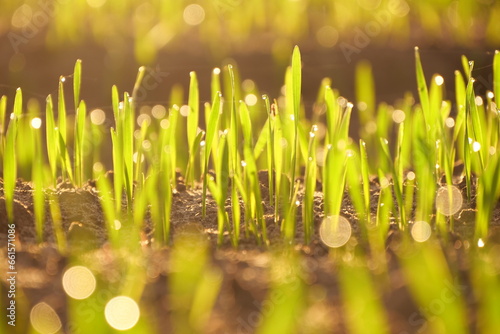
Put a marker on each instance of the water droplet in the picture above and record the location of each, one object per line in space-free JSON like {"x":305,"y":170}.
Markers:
{"x":411,"y":176}
{"x":476,"y":146}
{"x":449,"y":200}
{"x":243,"y":163}
{"x":122,"y":313}
{"x":335,"y":231}
{"x":36,"y":123}
{"x":78,"y":282}
{"x":216,"y":71}
{"x":117,"y":224}
{"x":450,"y":122}
{"x":421,"y":231}
{"x":439,"y":80}
{"x":480,"y":243}
{"x":490,"y":95}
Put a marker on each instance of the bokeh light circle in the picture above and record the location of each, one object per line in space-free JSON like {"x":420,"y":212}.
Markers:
{"x":79,"y":282}
{"x":421,"y":231}
{"x":194,"y":14}
{"x":44,"y":319}
{"x":449,"y":200}
{"x":122,"y":313}
{"x":335,"y":231}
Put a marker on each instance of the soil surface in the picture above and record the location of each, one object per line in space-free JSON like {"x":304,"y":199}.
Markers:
{"x":246,"y":275}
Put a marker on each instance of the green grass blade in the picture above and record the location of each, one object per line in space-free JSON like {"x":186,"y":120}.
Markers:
{"x":55,"y":213}
{"x":65,"y":159}
{"x":77,"y":82}
{"x":127,"y":136}
{"x":423,"y":92}
{"x":286,"y":282}
{"x":215,"y":83}
{"x":310,"y":186}
{"x":365,"y":176}
{"x":51,"y":138}
{"x":488,"y":191}
{"x":115,"y":101}
{"x":212,"y":127}
{"x":38,"y":184}
{"x":118,"y":171}
{"x":108,"y":208}
{"x":61,"y":110}
{"x":81,"y":114}
{"x":361,"y":301}
{"x":139,"y":164}
{"x":270,"y":148}
{"x":192,"y":125}
{"x":9,"y":162}
{"x":297,"y":89}
{"x":398,"y":187}
{"x":3,"y":121}
{"x":429,"y":279}
{"x":138,"y":81}
{"x":365,"y":93}
{"x":496,"y":76}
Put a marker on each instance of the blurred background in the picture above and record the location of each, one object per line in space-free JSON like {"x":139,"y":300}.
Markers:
{"x":41,"y":40}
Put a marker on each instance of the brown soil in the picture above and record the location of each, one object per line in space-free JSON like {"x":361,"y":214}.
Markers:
{"x":246,"y":279}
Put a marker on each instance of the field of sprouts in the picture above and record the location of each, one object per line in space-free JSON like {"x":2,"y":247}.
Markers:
{"x":213,"y":205}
